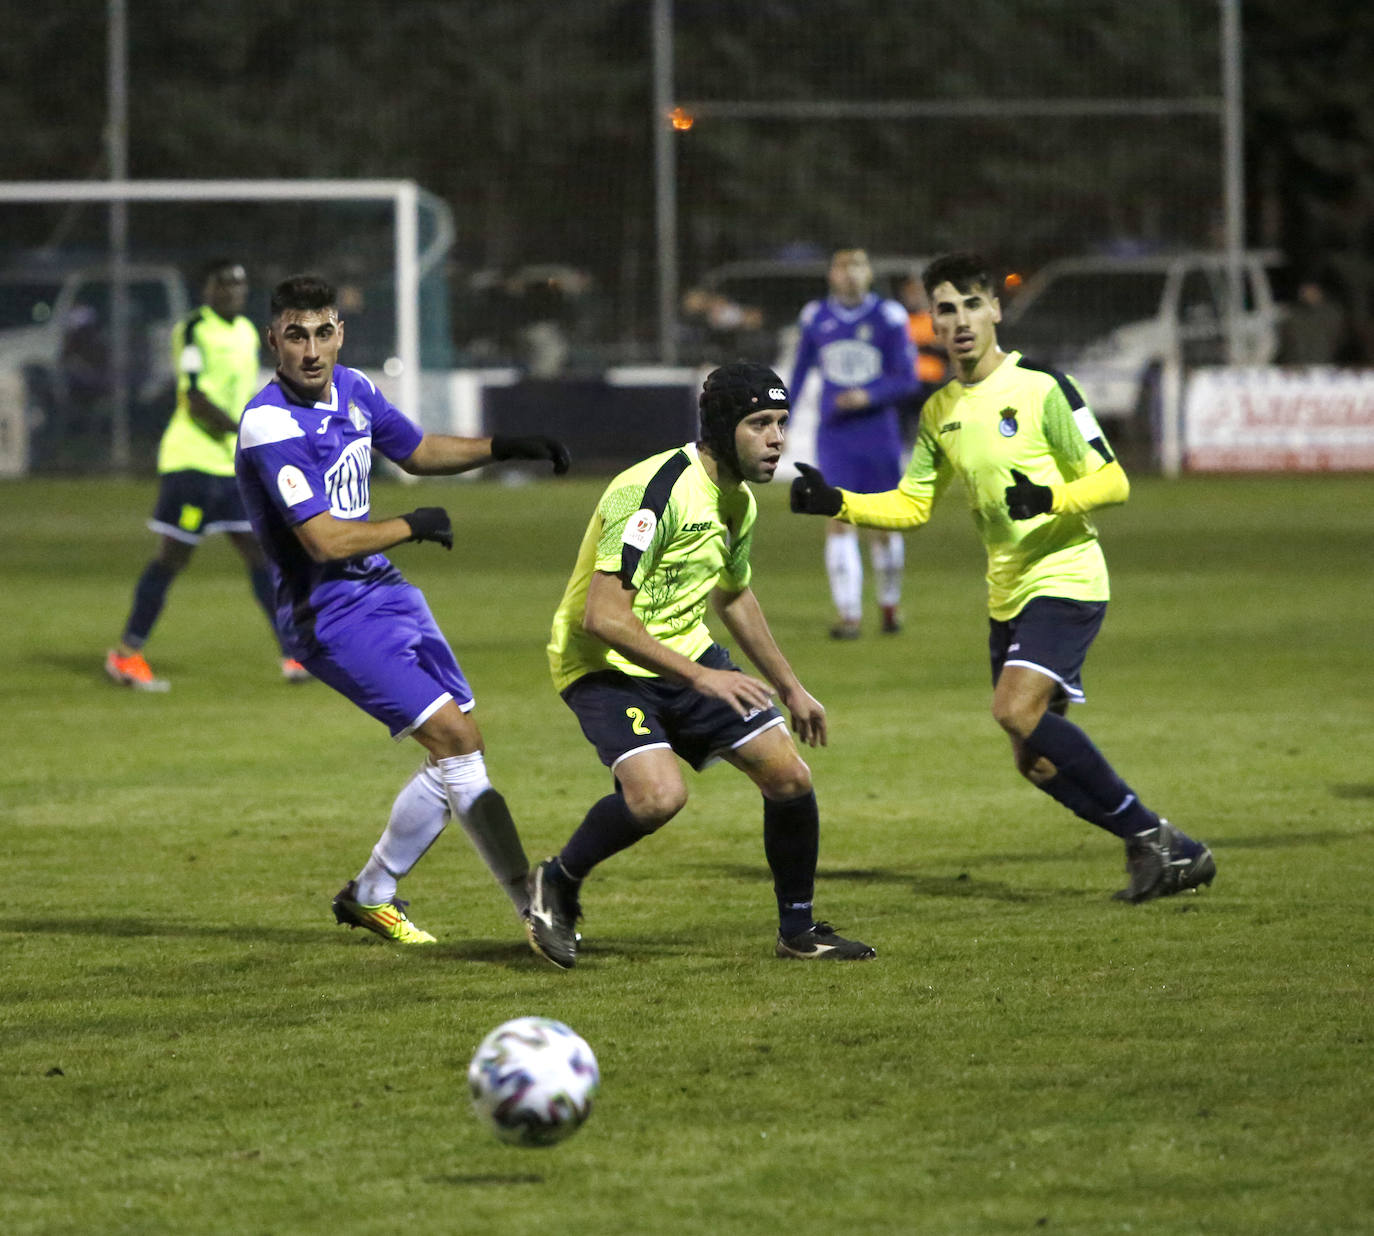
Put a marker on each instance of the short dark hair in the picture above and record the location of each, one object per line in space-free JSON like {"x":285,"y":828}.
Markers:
{"x":216,"y":267}
{"x":966,"y":270}
{"x":303,"y":293}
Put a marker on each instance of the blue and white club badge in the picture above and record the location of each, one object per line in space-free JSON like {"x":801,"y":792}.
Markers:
{"x":1007,"y":425}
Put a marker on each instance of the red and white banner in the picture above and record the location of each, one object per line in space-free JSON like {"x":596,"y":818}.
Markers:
{"x":1279,"y":420}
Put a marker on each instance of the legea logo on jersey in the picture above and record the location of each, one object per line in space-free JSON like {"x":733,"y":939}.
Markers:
{"x":639,"y":530}
{"x":850,"y":362}
{"x":346,"y":482}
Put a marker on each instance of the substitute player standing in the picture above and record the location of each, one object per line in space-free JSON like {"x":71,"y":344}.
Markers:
{"x":861,"y":344}
{"x":215,"y":352}
{"x":1033,"y":462}
{"x":633,"y":658}
{"x":304,"y":461}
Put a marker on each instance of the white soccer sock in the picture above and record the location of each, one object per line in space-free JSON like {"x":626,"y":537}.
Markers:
{"x":888,"y":552}
{"x":419,"y":814}
{"x":486,"y":820}
{"x":844,"y":565}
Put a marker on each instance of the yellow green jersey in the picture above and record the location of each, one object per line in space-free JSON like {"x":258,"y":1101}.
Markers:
{"x":1032,"y":419}
{"x":219,"y":358}
{"x":672,"y":534}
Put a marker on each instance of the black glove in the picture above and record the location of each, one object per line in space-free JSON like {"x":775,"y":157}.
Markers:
{"x":503,"y":447}
{"x":1026,"y":499}
{"x":812,"y":496}
{"x":430,"y":523}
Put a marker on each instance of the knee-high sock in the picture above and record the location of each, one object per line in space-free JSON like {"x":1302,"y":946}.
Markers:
{"x":1071,"y":751}
{"x":419,"y":814}
{"x":889,"y":558}
{"x":150,"y":594}
{"x":1069,"y":794}
{"x":487,"y":821}
{"x":606,"y":829}
{"x":791,"y":843}
{"x":844,"y":565}
{"x":261,"y":580}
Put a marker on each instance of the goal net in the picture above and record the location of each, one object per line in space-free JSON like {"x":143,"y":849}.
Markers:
{"x":94,"y":275}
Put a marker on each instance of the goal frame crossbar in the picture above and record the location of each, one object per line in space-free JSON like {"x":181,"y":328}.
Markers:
{"x":404,"y":195}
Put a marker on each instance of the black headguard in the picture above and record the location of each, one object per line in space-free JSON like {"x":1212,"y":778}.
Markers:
{"x":731,"y":393}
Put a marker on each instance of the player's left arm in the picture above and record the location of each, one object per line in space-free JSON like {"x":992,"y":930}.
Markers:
{"x":1079,"y":448}
{"x":440,"y":454}
{"x":743,"y":618}
{"x":1077,"y":440}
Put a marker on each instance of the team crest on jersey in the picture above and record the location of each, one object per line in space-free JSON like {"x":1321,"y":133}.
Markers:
{"x":639,"y":529}
{"x":865,"y":332}
{"x":356,"y":417}
{"x":1007,"y":425}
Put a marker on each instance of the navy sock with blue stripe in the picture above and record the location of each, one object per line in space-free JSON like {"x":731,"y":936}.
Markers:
{"x":1092,"y":782}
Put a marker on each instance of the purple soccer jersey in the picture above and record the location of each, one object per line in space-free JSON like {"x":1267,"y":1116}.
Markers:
{"x":356,"y":624}
{"x":866,"y":346}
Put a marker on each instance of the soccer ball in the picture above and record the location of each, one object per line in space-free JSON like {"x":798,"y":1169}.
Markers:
{"x":532,"y":1081}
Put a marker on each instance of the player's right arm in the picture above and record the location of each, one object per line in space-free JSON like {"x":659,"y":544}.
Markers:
{"x":329,"y":539}
{"x":609,"y":616}
{"x":907,"y":506}
{"x":208,"y":415}
{"x":806,"y":350}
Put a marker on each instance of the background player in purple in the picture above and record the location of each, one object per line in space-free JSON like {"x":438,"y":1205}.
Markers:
{"x":860,"y":344}
{"x":303,"y":463}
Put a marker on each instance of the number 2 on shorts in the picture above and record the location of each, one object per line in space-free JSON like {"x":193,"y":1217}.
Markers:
{"x":637,"y":725}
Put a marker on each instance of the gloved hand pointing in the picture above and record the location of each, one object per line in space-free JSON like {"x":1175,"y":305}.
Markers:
{"x":812,"y":496}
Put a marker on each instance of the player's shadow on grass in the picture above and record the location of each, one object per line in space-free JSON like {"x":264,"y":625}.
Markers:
{"x":1357,"y":790}
{"x":87,"y":665}
{"x":957,"y":886}
{"x":498,"y":1180}
{"x":1287,"y":841}
{"x":133,"y":927}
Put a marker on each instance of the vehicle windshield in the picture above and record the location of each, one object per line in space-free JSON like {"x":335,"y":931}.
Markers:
{"x":26,"y":302}
{"x":1075,"y":309}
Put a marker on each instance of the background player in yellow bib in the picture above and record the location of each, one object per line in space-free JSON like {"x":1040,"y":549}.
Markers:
{"x":632,"y":657}
{"x":216,"y":352}
{"x":1033,"y":462}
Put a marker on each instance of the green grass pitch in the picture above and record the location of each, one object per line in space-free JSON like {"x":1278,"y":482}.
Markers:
{"x":191,"y":1045}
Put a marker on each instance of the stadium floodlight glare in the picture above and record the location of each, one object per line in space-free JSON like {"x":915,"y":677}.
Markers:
{"x":404,"y":195}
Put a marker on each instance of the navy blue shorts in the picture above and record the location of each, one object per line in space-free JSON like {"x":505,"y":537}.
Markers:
{"x":1051,"y":635}
{"x":622,"y":715}
{"x":391,"y":660}
{"x":191,"y":505}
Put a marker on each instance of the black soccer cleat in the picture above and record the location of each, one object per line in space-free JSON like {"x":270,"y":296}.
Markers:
{"x":1145,"y":865}
{"x":1186,"y":874}
{"x":551,"y":923}
{"x":1158,"y":867}
{"x":820,"y":943}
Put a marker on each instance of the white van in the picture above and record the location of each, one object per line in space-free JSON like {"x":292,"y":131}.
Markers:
{"x":1114,"y":322}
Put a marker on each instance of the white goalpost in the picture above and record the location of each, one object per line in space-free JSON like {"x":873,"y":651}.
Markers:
{"x":409,"y":262}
